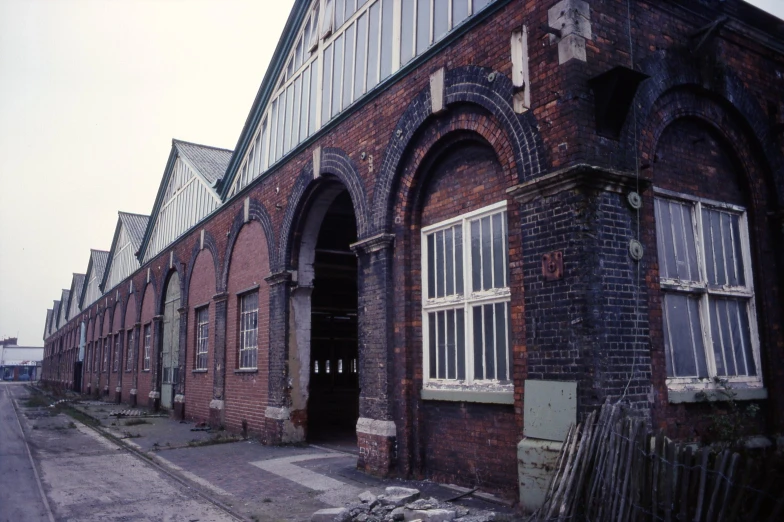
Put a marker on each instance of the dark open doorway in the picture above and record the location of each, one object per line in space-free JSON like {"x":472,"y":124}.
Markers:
{"x":333,"y":405}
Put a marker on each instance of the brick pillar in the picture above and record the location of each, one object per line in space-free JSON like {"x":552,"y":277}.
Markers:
{"x":278,"y":422}
{"x":179,"y":386}
{"x":587,"y":322}
{"x":133,"y":395}
{"x":376,"y":431}
{"x":154,"y":399}
{"x":217,"y":404}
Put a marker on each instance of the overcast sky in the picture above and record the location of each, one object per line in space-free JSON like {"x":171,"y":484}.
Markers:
{"x":91,"y":94}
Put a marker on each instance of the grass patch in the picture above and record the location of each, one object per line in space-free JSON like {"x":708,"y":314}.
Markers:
{"x":37,"y":400}
{"x":81,"y":417}
{"x":136,"y":422}
{"x":218,"y":438}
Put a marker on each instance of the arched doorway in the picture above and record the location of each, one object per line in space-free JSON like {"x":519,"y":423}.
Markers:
{"x":325,"y":313}
{"x":170,"y":345}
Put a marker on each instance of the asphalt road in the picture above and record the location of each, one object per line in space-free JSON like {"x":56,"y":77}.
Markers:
{"x":84,"y":476}
{"x":20,"y":496}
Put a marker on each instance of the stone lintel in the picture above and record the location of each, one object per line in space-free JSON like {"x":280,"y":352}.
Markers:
{"x":373,"y":243}
{"x":577,"y":176}
{"x":376,"y":427}
{"x":216,"y":404}
{"x":277,"y":278}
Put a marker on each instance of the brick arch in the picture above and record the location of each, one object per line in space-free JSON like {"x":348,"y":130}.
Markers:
{"x":477,"y":86}
{"x":135,"y":309}
{"x":212,"y":247}
{"x":684,"y":102}
{"x":256,"y":212}
{"x":175,"y":271}
{"x":725,"y":97}
{"x":334,"y":162}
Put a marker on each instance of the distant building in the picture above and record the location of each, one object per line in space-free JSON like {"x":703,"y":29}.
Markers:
{"x":19,"y":363}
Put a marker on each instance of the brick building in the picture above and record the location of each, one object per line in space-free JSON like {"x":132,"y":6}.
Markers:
{"x":439,"y":212}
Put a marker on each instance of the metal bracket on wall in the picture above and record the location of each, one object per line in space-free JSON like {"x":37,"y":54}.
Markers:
{"x":552,"y":266}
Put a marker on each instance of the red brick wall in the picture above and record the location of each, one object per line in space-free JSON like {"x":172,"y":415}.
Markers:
{"x":128,"y":325}
{"x":692,"y":158}
{"x":463,"y":443}
{"x":246,"y":393}
{"x":198,"y":384}
{"x":144,"y":386}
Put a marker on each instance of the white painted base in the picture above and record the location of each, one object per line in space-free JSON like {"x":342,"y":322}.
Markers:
{"x":536,"y":461}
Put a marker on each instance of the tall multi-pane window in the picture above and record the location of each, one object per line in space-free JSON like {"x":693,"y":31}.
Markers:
{"x":106,"y":354}
{"x":249,"y":330}
{"x":465,"y":298}
{"x":356,"y":45}
{"x":709,"y":317}
{"x":202,"y":335}
{"x":117,"y":351}
{"x":146,"y":364}
{"x":129,"y":352}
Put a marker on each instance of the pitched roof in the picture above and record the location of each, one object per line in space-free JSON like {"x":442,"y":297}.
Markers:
{"x":99,"y":259}
{"x":96,"y":264}
{"x":135,"y":224}
{"x":46,"y":324}
{"x":287,"y":39}
{"x":76,"y":291}
{"x":63,"y":306}
{"x":210,"y":162}
{"x":55,"y":315}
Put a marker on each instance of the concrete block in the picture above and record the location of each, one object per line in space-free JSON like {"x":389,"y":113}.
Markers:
{"x":398,"y":496}
{"x":536,"y":460}
{"x":330,"y":515}
{"x":431,"y":515}
{"x":571,"y":47}
{"x":368,"y":498}
{"x":550,"y":407}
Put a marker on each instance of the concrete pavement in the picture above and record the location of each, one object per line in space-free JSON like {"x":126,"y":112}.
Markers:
{"x":127,"y":461}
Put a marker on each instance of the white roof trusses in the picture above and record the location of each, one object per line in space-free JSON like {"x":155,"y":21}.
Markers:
{"x":186,"y":196}
{"x":128,"y":237}
{"x":95,"y":269}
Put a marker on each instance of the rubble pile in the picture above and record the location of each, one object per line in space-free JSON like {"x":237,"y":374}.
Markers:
{"x":401,"y":505}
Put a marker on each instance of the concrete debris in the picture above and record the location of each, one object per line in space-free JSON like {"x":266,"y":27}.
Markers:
{"x":331,"y":515}
{"x":391,"y":507}
{"x":397,"y":496}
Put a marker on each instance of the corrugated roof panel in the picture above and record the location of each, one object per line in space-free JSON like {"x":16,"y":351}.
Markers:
{"x":210,"y":162}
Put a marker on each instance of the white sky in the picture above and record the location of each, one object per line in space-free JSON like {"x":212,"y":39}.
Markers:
{"x":91,"y":94}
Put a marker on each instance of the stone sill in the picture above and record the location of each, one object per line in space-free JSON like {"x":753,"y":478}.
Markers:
{"x":487,"y":397}
{"x":741,"y":394}
{"x":204,"y":370}
{"x":245,"y":371}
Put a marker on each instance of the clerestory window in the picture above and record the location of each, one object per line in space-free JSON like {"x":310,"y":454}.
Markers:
{"x":708,"y":310}
{"x":465,"y":299}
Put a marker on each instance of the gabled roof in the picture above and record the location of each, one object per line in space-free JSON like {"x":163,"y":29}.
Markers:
{"x":55,"y":313}
{"x":64,"y":298}
{"x":135,"y":226}
{"x":76,"y":291}
{"x":208,"y":163}
{"x":47,"y":323}
{"x":287,"y":40}
{"x":96,"y":264}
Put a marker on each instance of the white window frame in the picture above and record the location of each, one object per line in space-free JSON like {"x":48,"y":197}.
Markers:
{"x":129,"y":349}
{"x":147,"y":333}
{"x":246,"y":348}
{"x":117,"y":352}
{"x":467,"y":302}
{"x":704,"y":293}
{"x":202,"y":338}
{"x":106,"y":348}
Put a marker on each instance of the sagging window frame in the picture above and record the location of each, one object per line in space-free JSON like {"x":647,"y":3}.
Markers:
{"x":467,"y":302}
{"x":703,"y":290}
